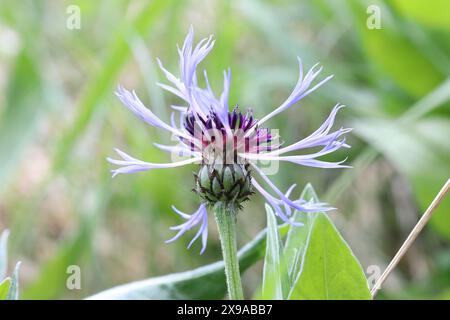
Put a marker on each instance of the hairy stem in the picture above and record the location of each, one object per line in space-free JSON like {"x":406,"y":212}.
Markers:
{"x":226,"y":224}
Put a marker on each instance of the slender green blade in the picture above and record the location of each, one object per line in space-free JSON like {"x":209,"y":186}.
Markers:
{"x":24,"y":106}
{"x":4,"y":288}
{"x":13,"y":293}
{"x":275,"y":277}
{"x":3,"y":253}
{"x":296,"y":240}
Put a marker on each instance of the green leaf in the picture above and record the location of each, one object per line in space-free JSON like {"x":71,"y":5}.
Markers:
{"x":4,"y":288}
{"x":329,"y":270}
{"x":13,"y":293}
{"x":3,"y":253}
{"x":275,"y":277}
{"x":207,"y":282}
{"x":316,"y":262}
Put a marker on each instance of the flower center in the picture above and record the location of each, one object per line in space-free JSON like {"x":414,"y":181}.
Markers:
{"x":219,"y":146}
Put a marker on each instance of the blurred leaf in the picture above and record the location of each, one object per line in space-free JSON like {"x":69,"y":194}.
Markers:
{"x":13,"y":293}
{"x":52,"y":277}
{"x":329,"y":269}
{"x":18,"y":122}
{"x":4,"y":288}
{"x":207,"y":282}
{"x":3,"y":253}
{"x":346,"y":178}
{"x":434,"y":14}
{"x":439,"y":97}
{"x":264,"y":16}
{"x":102,"y":83}
{"x":395,"y":55}
{"x":420,"y":150}
{"x":149,"y":74}
{"x":275,"y":277}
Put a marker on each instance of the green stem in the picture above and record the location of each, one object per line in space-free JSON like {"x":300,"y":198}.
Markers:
{"x":226,"y":224}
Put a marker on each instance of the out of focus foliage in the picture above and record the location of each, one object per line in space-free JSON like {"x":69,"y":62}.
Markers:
{"x":9,"y":285}
{"x":59,"y":120}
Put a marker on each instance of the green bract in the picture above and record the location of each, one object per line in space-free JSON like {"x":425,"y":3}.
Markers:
{"x":228,"y":184}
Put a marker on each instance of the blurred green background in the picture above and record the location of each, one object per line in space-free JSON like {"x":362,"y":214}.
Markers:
{"x":59,"y":120}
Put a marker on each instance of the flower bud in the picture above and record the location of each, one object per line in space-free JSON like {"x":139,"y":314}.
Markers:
{"x":226,"y":183}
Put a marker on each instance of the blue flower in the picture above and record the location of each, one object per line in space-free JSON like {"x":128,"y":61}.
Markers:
{"x":229,"y":144}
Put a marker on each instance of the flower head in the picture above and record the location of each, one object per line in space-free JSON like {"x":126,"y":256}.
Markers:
{"x":227,"y":145}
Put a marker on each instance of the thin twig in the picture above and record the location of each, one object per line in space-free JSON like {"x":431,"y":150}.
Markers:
{"x":411,"y":237}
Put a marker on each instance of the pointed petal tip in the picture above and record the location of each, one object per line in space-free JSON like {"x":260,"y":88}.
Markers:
{"x":119,"y":152}
{"x":120,"y":90}
{"x":315,"y":65}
